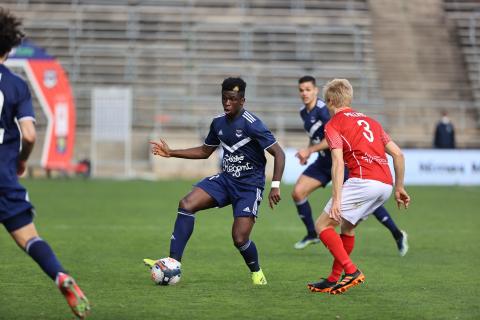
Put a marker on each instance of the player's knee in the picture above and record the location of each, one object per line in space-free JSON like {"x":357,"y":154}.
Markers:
{"x":319,"y":228}
{"x":297,"y":194}
{"x":294,"y":195}
{"x":347,"y":228}
{"x":239,"y":240}
{"x":186,"y":204}
{"x":23,"y":239}
{"x":323,"y":223}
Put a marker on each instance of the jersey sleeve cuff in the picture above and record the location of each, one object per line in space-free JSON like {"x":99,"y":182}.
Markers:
{"x":26,"y":118}
{"x":270,"y":145}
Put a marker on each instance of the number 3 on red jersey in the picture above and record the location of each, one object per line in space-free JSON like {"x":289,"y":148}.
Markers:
{"x":367,"y":133}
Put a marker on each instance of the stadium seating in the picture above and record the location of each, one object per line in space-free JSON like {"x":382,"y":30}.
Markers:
{"x":185,"y":48}
{"x":175,"y":53}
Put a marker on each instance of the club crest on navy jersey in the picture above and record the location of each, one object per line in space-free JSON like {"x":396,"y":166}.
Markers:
{"x":239,"y":133}
{"x":314,"y":121}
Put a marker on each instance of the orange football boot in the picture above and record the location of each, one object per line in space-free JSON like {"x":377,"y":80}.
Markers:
{"x":322,"y":286}
{"x":73,"y":294}
{"x":349,"y":280}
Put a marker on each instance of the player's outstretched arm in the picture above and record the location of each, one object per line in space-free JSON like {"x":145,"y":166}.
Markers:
{"x":29,"y":135}
{"x":162,"y":149}
{"x":401,"y":195}
{"x":278,"y":165}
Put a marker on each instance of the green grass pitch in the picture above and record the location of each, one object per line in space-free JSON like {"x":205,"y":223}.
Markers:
{"x":101,"y":231}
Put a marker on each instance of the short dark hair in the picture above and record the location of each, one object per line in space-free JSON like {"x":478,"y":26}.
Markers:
{"x":307,"y":79}
{"x":234,"y":84}
{"x":10,"y":33}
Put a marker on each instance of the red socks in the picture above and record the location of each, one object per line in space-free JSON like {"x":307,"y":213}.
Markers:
{"x":348,"y":243}
{"x":340,"y":248}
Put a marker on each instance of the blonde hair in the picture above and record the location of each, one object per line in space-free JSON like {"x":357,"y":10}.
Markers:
{"x":338,"y":93}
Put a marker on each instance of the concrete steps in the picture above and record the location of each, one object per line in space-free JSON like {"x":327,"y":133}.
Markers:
{"x":414,"y":51}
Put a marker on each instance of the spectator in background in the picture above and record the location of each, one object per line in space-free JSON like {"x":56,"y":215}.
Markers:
{"x":444,"y":133}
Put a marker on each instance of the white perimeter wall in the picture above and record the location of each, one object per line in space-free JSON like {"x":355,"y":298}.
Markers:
{"x":423,"y":167}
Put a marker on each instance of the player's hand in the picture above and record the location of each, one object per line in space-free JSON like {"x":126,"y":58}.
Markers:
{"x":303,"y":155}
{"x":160,"y":148}
{"x":335,"y":212}
{"x":402,"y":198}
{"x":274,"y":197}
{"x":21,"y":166}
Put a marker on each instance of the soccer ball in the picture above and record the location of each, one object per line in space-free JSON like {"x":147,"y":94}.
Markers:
{"x":166,"y":271}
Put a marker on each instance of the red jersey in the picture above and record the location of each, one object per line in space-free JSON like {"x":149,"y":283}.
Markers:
{"x":363,"y":141}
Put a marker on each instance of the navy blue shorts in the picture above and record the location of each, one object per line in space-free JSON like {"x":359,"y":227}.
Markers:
{"x":16,"y":210}
{"x":18,"y":220}
{"x":320,"y":170}
{"x":245,"y":199}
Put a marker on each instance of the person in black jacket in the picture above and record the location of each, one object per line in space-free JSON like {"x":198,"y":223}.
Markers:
{"x":444,"y":134}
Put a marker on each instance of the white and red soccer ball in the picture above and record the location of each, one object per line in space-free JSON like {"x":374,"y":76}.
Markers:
{"x":166,"y":271}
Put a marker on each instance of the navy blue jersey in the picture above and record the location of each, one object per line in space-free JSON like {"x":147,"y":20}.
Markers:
{"x":15,"y":104}
{"x":244,"y":140}
{"x":314,"y":122}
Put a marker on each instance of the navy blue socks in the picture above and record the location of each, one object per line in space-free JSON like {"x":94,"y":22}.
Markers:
{"x":250,"y":254}
{"x":305,"y":213}
{"x":382,"y":215}
{"x":181,"y":233}
{"x":41,"y":252}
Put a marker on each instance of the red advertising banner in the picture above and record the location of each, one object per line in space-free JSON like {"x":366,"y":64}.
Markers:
{"x":53,"y":90}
